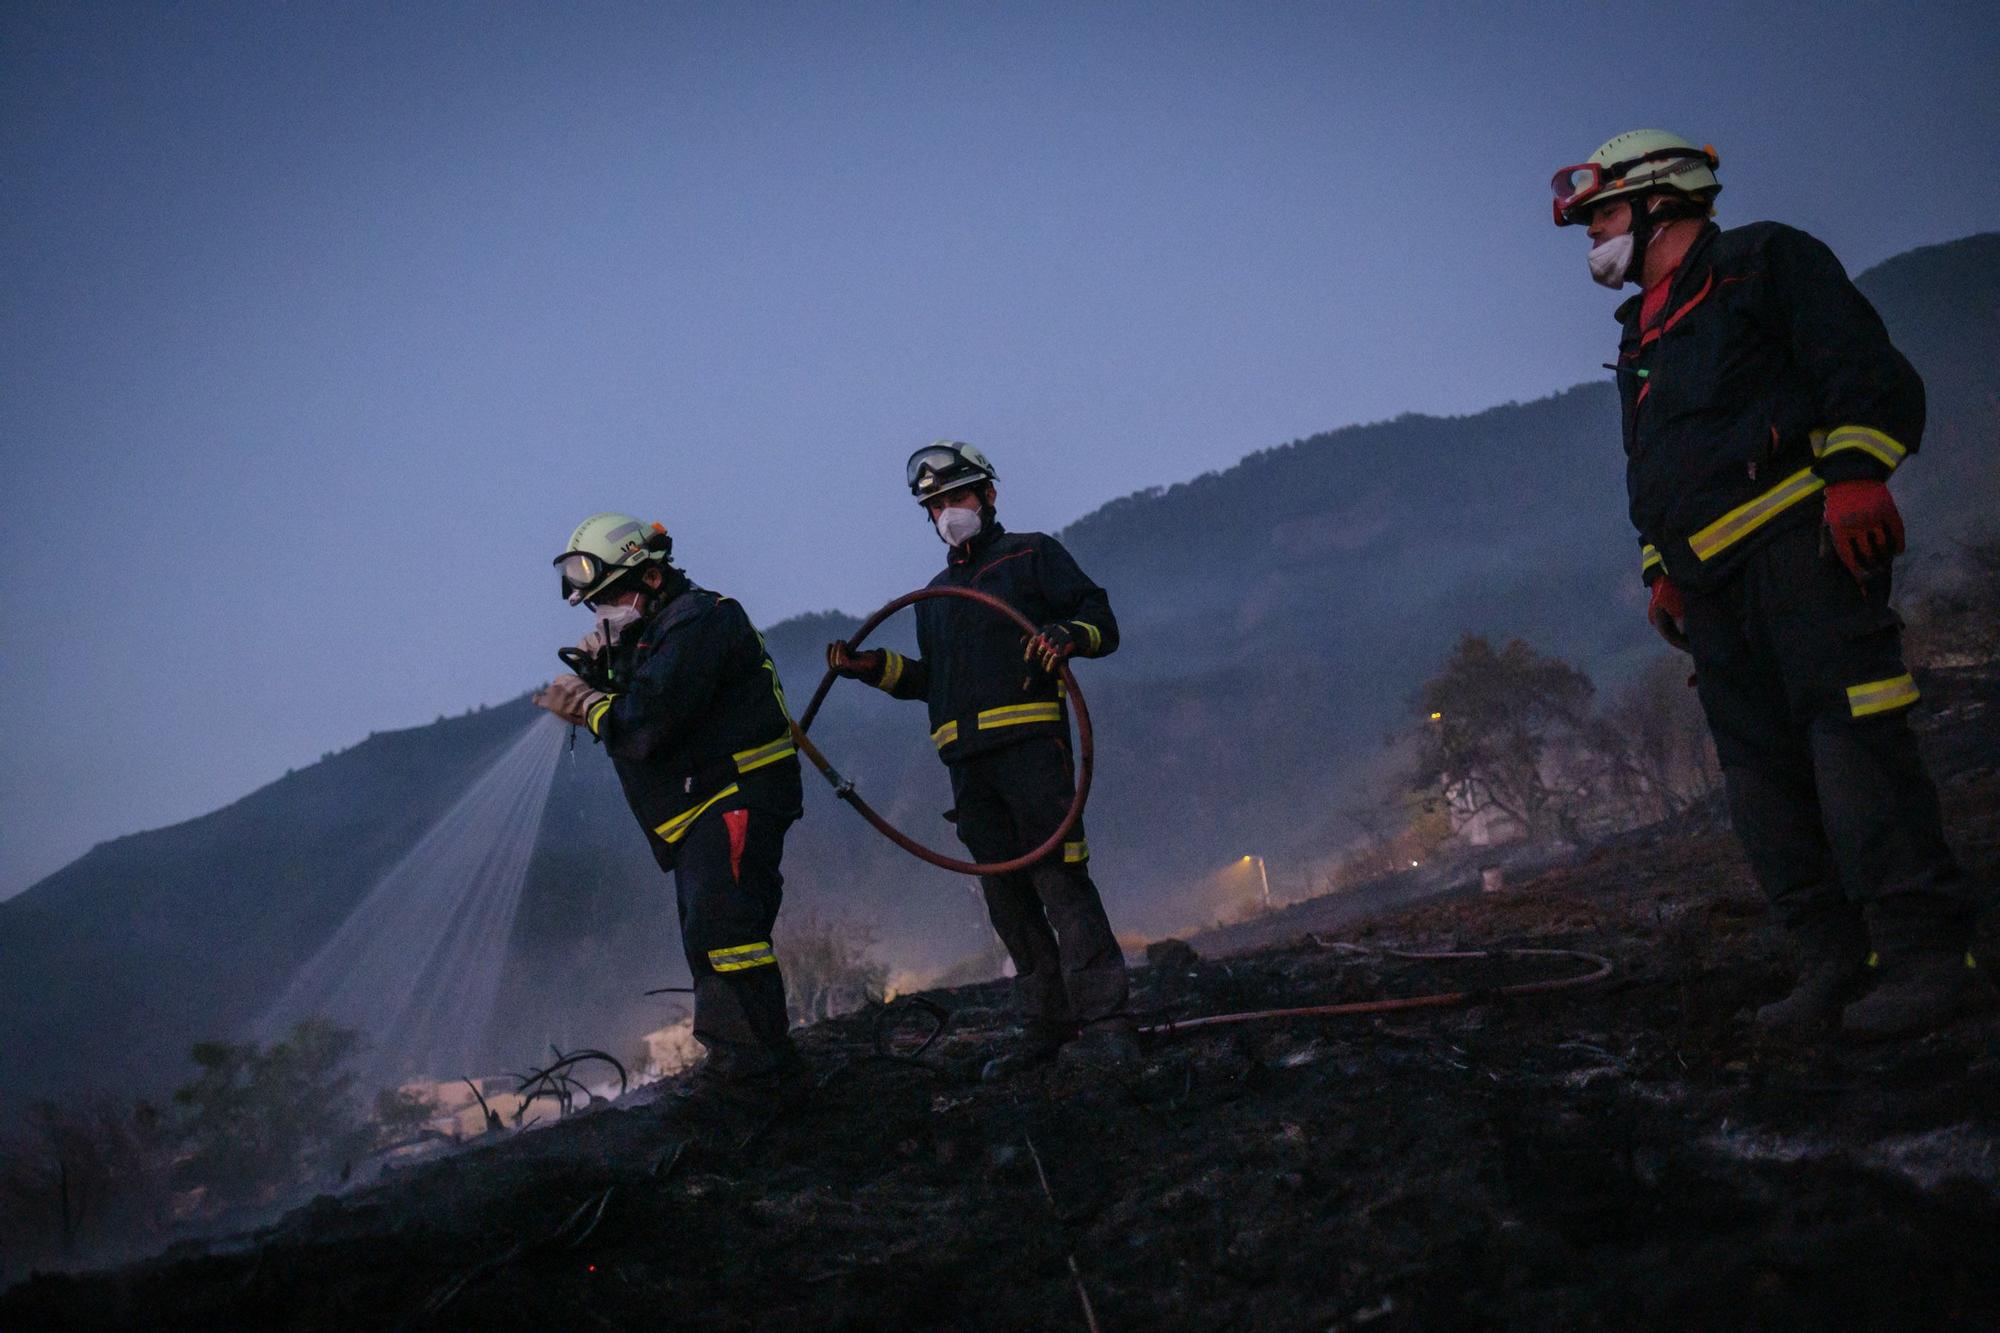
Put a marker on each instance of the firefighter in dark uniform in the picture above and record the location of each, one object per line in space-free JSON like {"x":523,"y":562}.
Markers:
{"x":694,"y":718}
{"x":999,"y":724}
{"x":1765,"y":409}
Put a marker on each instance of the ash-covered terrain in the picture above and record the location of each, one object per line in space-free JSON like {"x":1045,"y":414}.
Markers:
{"x":1626,"y":1155}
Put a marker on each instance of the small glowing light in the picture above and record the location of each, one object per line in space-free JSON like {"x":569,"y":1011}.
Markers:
{"x":1413,"y":865}
{"x":1437,"y":717}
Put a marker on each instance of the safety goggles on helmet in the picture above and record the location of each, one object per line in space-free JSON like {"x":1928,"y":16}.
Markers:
{"x":580,"y":571}
{"x":938,"y":468}
{"x":585,"y":577}
{"x":1575,"y":187}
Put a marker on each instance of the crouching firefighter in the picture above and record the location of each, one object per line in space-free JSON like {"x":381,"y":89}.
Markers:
{"x":687,"y":702}
{"x":1765,"y":410}
{"x":1000,"y":726}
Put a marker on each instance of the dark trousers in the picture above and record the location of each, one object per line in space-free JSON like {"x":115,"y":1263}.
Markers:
{"x":1068,"y":968}
{"x":1801,"y":675}
{"x":728,"y":887}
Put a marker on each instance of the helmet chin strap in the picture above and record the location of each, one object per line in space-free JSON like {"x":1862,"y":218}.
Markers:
{"x":1647,"y":219}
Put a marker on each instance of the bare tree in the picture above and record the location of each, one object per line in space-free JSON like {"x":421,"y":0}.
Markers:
{"x":83,"y":1181}
{"x":828,"y":966}
{"x":1656,"y":746}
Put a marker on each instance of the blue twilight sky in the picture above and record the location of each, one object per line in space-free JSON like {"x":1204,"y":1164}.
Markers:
{"x":324,"y":323}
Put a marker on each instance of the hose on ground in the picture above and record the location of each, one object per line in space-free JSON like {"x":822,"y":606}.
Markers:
{"x":1600,"y":969}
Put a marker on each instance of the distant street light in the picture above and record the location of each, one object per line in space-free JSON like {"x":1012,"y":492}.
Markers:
{"x":1263,"y":874}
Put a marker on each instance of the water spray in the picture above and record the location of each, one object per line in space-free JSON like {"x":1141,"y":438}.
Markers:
{"x":416,"y":966}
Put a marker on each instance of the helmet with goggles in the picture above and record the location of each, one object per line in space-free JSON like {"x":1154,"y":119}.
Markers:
{"x":606,"y":547}
{"x":947,"y":465}
{"x":1636,"y":162}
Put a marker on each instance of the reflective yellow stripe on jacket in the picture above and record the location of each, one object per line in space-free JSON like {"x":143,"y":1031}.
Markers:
{"x":1745,"y":519}
{"x":781,"y":748}
{"x":1882,"y":448}
{"x":1649,"y":559}
{"x":746,"y":761}
{"x":1074,"y":852}
{"x":676,"y":828}
{"x":892,"y":670}
{"x":1881,"y":696}
{"x":1009,"y":715}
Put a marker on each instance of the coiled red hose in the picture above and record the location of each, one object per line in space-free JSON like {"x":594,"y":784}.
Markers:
{"x":844,"y":789}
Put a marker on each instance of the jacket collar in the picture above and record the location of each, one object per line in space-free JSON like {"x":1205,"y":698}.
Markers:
{"x":975,"y":548}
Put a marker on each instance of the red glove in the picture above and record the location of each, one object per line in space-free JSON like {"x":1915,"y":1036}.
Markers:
{"x":1867,"y":531}
{"x":1667,"y":612}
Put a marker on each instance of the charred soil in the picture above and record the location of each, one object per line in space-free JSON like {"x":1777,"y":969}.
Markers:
{"x":1625,"y":1156}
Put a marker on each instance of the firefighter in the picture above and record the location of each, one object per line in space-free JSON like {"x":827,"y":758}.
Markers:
{"x":694,"y":718}
{"x":998,"y":721}
{"x":1765,"y":410}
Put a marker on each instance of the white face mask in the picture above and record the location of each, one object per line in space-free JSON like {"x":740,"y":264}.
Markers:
{"x":612,"y":620}
{"x":958,"y":526}
{"x":1609,"y":261}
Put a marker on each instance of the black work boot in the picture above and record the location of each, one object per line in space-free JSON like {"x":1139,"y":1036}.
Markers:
{"x":1918,"y":992}
{"x":1108,"y":1041}
{"x":1832,"y":952}
{"x":724,"y":1090}
{"x":1034,"y":1047}
{"x":1924,"y":978}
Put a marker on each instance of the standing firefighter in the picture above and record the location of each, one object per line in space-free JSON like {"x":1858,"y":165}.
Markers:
{"x":688,"y":705}
{"x":1764,"y":411}
{"x":998,"y":721}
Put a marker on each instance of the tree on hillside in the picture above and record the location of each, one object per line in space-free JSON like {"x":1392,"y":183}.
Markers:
{"x":1507,"y":734}
{"x":260,"y":1120}
{"x":1655,"y":742}
{"x":80,"y":1181}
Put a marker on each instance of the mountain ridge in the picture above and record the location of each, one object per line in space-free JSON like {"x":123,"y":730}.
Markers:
{"x":1277,"y":615}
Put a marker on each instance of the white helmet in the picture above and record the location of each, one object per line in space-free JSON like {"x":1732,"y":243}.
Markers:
{"x":946,"y":465}
{"x":1636,"y":162}
{"x":605,"y":548}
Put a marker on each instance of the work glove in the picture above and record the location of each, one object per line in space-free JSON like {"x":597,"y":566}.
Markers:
{"x":1668,"y":612}
{"x":842,"y":660}
{"x":1050,"y":645}
{"x":569,"y":698}
{"x":1863,"y":526}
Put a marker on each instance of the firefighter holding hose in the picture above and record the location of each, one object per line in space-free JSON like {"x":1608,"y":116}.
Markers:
{"x":686,"y":700}
{"x":1765,"y":411}
{"x":998,"y":722}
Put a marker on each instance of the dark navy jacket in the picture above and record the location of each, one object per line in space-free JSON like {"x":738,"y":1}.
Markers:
{"x":982,"y":695}
{"x":1766,"y":376}
{"x":701,"y":722}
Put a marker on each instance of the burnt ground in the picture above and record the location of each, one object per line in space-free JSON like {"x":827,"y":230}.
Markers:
{"x":1626,"y":1156}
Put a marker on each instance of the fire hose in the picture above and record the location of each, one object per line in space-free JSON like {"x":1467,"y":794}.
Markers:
{"x":1441,"y":1000}
{"x":844,"y":787}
